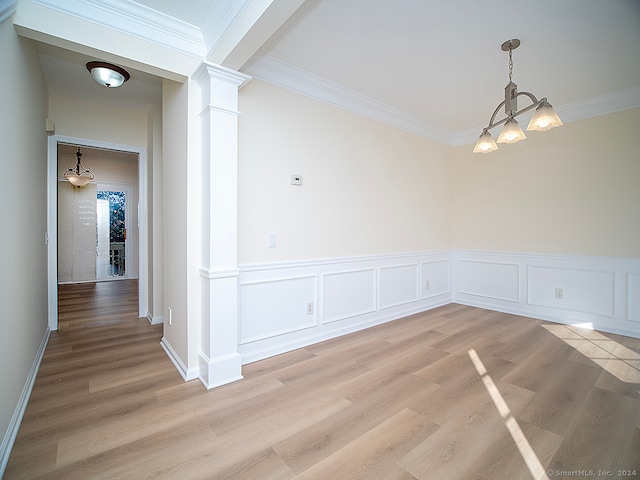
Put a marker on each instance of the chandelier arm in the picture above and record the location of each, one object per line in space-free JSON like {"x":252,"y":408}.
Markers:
{"x":535,"y":104}
{"x":493,"y":117}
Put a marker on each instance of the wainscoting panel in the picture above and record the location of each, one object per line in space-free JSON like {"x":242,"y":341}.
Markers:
{"x":361,"y":299}
{"x":569,"y":289}
{"x":436,"y":278}
{"x":348,"y":294}
{"x":602,"y":293}
{"x":489,"y":279}
{"x":288,"y":305}
{"x":398,"y":285}
{"x":276,"y":307}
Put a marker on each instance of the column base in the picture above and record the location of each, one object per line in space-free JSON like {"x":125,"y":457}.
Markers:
{"x":220,"y":370}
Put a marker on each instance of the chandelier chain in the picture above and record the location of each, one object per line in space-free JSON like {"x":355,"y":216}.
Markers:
{"x":510,"y":66}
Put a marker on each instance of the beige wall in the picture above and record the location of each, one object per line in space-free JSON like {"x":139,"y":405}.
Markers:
{"x":174,"y":148}
{"x":155,"y":249}
{"x":571,"y":190}
{"x":23,"y":283}
{"x":96,"y":121}
{"x":367,"y":188}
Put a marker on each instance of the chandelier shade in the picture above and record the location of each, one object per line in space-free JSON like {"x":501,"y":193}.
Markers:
{"x":485,"y":143}
{"x":544,"y":118}
{"x":511,"y":132}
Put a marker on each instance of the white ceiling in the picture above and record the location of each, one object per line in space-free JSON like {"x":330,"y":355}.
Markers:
{"x":438,"y":62}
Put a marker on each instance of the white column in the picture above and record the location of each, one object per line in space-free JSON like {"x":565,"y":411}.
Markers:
{"x":219,"y":360}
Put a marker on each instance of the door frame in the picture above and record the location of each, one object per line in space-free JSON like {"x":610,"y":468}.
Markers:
{"x":52,"y":219}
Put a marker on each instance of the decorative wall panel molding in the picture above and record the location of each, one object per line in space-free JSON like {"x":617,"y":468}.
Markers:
{"x":602,"y":293}
{"x":435,"y":278}
{"x":288,"y":305}
{"x":361,"y":298}
{"x":398,"y":285}
{"x":491,"y":279}
{"x":276,"y":307}
{"x":572,"y":289}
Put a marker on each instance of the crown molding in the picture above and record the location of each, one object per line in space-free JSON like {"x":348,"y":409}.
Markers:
{"x":7,"y":8}
{"x":279,"y":73}
{"x":602,"y":105}
{"x":276,"y":72}
{"x":135,"y":20}
{"x":220,"y":19}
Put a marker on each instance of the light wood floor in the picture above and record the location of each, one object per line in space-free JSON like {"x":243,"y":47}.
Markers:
{"x":453,"y":393}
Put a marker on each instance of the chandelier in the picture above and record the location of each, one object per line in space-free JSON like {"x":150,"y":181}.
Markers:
{"x":78,"y":175}
{"x":545,"y":118}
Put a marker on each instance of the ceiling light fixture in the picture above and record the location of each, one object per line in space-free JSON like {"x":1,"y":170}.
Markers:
{"x":107,"y":74}
{"x":545,"y":118}
{"x":78,"y":175}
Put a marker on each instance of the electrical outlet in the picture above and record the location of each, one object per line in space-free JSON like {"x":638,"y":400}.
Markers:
{"x":310,"y":308}
{"x":296,"y":180}
{"x":559,"y":293}
{"x":426,"y":285}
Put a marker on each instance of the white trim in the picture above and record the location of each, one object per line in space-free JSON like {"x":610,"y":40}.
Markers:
{"x":185,"y":373}
{"x":343,"y":262}
{"x":208,"y":274}
{"x":135,"y":20}
{"x":220,"y":20}
{"x":52,"y":219}
{"x":360,"y":323}
{"x":219,"y":371}
{"x":277,"y":72}
{"x":155,"y":320}
{"x":18,"y":413}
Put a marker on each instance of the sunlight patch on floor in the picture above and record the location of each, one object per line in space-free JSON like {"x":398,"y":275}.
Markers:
{"x":618,"y":360}
{"x":528,"y":455}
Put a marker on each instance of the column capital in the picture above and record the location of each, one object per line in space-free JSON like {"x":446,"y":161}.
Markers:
{"x":208,"y":71}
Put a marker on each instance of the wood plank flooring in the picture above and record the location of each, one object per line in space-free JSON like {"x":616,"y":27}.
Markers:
{"x":400,"y":401}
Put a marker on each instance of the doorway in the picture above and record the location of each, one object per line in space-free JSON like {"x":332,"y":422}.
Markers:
{"x":127,"y":258}
{"x":111,"y":233}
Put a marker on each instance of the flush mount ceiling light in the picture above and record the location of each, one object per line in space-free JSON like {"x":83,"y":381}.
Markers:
{"x":108,"y":75}
{"x":545,"y":118}
{"x":78,"y":175}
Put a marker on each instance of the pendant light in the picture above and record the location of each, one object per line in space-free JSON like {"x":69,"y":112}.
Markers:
{"x":545,"y":118}
{"x":79,"y":176}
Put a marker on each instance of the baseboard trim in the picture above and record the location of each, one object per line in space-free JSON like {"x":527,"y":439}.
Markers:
{"x":254,"y":355}
{"x":553,"y":317}
{"x":155,"y":320}
{"x":186,"y":373}
{"x":18,"y":414}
